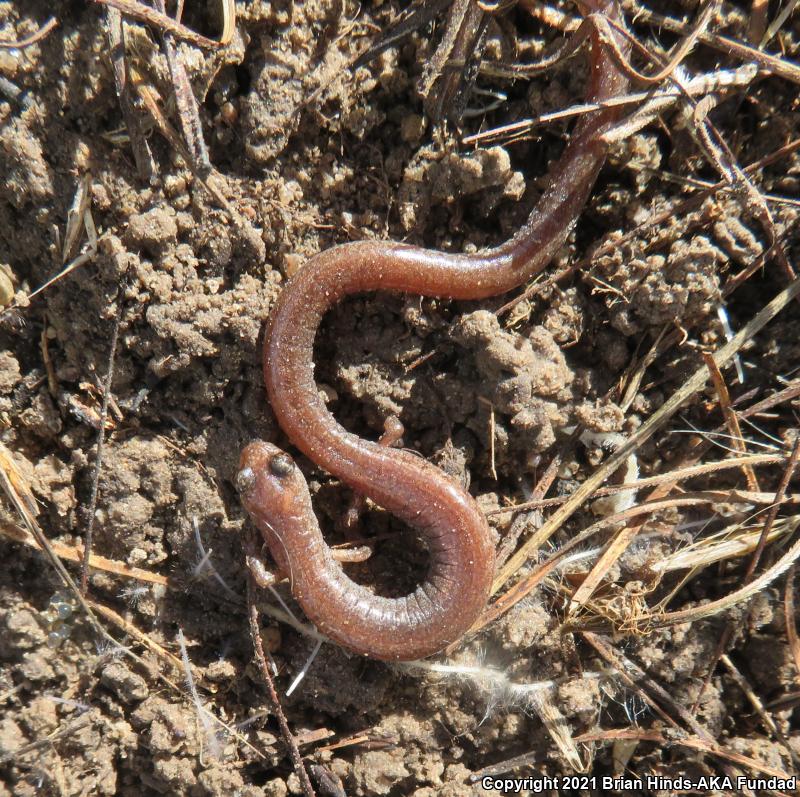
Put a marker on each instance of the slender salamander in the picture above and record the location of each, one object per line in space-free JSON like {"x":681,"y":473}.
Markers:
{"x":274,"y":491}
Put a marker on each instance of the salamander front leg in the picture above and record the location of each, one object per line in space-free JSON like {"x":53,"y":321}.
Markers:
{"x":263,"y":577}
{"x":393,"y":431}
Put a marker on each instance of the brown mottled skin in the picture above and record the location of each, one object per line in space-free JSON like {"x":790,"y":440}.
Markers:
{"x":456,"y":587}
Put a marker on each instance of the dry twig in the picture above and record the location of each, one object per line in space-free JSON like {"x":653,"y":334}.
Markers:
{"x":286,"y":733}
{"x":32,"y":39}
{"x":730,"y":417}
{"x":162,"y":22}
{"x":101,"y":436}
{"x":790,"y":618}
{"x":115,"y":34}
{"x":185,"y":103}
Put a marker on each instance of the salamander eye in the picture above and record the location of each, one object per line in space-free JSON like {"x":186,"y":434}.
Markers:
{"x":245,"y":479}
{"x":281,"y":464}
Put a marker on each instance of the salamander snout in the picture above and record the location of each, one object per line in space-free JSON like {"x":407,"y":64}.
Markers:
{"x":268,"y":479}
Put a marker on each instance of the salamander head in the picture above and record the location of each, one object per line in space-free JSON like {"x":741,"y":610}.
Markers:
{"x":270,"y":485}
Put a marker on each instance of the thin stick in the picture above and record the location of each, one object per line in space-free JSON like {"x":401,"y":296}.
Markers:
{"x":25,"y":505}
{"x":780,"y":494}
{"x":692,"y":743}
{"x":682,"y":49}
{"x":185,"y":102}
{"x":32,"y":39}
{"x":101,"y":436}
{"x":61,"y":733}
{"x":261,"y":660}
{"x":727,"y":632}
{"x":770,"y":63}
{"x":654,"y":103}
{"x":787,"y":394}
{"x":638,"y":680}
{"x":115,"y":34}
{"x":510,"y":540}
{"x":161,"y":21}
{"x":644,"y":432}
{"x":755,"y":702}
{"x":23,"y":501}
{"x":651,"y":691}
{"x":790,"y":618}
{"x":729,"y":415}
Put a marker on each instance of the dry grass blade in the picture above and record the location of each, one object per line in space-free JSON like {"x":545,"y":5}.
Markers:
{"x":21,"y":44}
{"x":88,"y":253}
{"x":692,"y":743}
{"x":780,"y":494}
{"x":557,"y":726}
{"x":524,"y":587}
{"x":728,"y":631}
{"x":729,"y":414}
{"x":790,"y":618}
{"x":75,"y":216}
{"x":186,"y":103}
{"x":72,"y":554}
{"x":228,"y":21}
{"x":621,"y":542}
{"x":162,"y":22}
{"x":678,"y":475}
{"x":756,"y":703}
{"x":730,"y":543}
{"x":634,"y":374}
{"x":778,"y":22}
{"x":615,"y":549}
{"x":715,"y":607}
{"x":115,"y":34}
{"x":644,"y":432}
{"x":770,"y":63}
{"x":514,"y":595}
{"x":283,"y":616}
